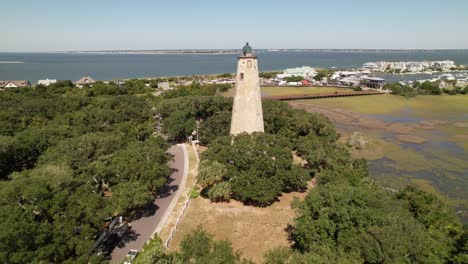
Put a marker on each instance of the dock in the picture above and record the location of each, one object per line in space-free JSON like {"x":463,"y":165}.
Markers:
{"x":321,"y":95}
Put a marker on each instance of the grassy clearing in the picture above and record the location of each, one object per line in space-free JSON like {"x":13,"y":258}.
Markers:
{"x":278,"y":91}
{"x":252,"y":230}
{"x":431,"y":107}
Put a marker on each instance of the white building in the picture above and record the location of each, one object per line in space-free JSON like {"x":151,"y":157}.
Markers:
{"x":444,"y":65}
{"x":86,"y":80}
{"x":370,"y":65}
{"x":46,"y":82}
{"x":305,"y":71}
{"x":164,"y":86}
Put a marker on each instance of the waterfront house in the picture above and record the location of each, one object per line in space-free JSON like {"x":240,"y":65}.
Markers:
{"x":281,"y":76}
{"x":14,"y":84}
{"x":119,"y":83}
{"x":415,"y":67}
{"x":46,"y":82}
{"x":350,"y":80}
{"x":86,"y":80}
{"x":299,"y":71}
{"x":370,"y":65}
{"x":164,"y":86}
{"x":305,"y":83}
{"x":375,"y":83}
{"x":305,"y":71}
{"x":443,"y":65}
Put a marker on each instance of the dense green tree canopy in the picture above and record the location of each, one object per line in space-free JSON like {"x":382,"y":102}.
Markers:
{"x":70,"y":159}
{"x":349,"y":214}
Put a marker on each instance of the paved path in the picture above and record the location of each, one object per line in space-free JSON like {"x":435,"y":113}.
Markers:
{"x":145,"y":226}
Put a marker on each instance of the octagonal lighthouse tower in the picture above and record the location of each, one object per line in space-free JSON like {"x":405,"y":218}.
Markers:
{"x":247,"y":113}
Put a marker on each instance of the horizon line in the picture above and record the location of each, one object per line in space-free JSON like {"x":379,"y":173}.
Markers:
{"x":235,"y":49}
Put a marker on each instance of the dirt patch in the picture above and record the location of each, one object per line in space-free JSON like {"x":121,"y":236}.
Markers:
{"x":411,"y":139}
{"x":432,"y":123}
{"x":251,"y":230}
{"x":462,"y":137}
{"x":461,"y":125}
{"x":298,"y":160}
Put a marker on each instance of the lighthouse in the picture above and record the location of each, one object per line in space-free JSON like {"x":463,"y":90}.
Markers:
{"x":247,"y":113}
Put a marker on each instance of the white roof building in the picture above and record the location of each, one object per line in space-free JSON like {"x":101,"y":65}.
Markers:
{"x":86,"y":80}
{"x":46,"y":82}
{"x":14,"y":84}
{"x":299,"y":71}
{"x":165,"y":86}
{"x":370,"y":65}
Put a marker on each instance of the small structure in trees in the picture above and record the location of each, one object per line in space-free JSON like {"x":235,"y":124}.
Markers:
{"x":85,"y":80}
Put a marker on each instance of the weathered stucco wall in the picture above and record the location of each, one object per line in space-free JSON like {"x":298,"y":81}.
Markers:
{"x":247,"y":114}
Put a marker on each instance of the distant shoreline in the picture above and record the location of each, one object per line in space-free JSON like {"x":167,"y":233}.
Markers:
{"x":10,"y":62}
{"x":227,"y":51}
{"x":162,"y":52}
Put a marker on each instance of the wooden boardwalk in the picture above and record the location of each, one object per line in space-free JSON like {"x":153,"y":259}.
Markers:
{"x":320,"y":95}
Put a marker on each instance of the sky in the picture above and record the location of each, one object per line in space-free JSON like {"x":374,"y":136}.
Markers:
{"x":87,"y":25}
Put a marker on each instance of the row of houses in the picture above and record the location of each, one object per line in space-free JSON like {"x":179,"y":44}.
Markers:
{"x":444,"y":80}
{"x":338,"y":78}
{"x":305,"y":72}
{"x":410,"y":66}
{"x":86,"y":80}
{"x":357,"y":78}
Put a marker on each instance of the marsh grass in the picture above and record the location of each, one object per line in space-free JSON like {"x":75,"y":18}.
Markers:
{"x":423,"y":106}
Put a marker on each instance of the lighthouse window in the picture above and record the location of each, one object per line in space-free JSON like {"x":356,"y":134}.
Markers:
{"x":242,"y":76}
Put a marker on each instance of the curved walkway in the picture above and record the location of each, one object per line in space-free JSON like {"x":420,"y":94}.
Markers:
{"x":145,"y":227}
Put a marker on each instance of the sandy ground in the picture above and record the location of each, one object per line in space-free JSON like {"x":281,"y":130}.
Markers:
{"x":251,"y":230}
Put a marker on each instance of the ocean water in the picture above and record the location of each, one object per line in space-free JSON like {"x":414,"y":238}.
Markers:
{"x":112,"y":66}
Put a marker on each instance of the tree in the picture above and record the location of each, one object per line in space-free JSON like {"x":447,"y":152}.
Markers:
{"x":199,"y":247}
{"x":144,"y":162}
{"x":259,"y":167}
{"x":178,"y":126}
{"x":219,"y":192}
{"x":127,"y":196}
{"x":7,"y":156}
{"x":428,"y":87}
{"x":153,"y":252}
{"x":268,"y":75}
{"x":321,"y":74}
{"x":465,"y":91}
{"x":294,"y":79}
{"x":215,"y":126}
{"x":73,"y":158}
{"x":210,"y":172}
